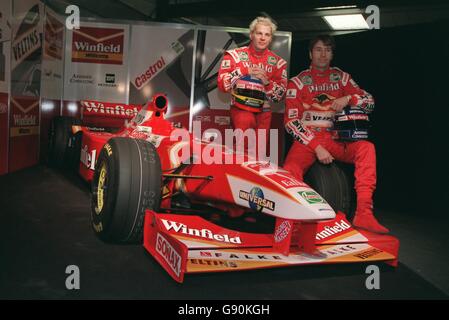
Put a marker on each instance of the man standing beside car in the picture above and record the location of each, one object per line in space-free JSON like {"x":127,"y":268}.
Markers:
{"x":313,"y":97}
{"x":255,"y":76}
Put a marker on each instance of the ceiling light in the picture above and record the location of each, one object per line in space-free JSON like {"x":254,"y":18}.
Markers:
{"x":346,"y":22}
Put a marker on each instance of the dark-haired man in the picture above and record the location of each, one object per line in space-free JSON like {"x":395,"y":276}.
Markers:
{"x":313,"y":97}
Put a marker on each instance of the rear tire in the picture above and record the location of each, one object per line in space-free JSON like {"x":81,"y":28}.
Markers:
{"x":333,"y":183}
{"x":127,"y":180}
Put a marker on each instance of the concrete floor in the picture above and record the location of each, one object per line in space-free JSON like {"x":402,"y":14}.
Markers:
{"x":45,"y":226}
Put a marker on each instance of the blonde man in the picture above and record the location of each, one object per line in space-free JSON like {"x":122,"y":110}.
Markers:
{"x":255,"y":76}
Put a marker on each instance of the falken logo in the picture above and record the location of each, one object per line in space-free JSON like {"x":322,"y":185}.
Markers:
{"x":203,"y":233}
{"x":169,"y":254}
{"x":256,"y":199}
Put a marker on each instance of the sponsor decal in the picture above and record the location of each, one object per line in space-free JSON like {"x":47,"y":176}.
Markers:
{"x":307,"y":80}
{"x":311,"y":197}
{"x":354,"y":84}
{"x":157,"y":66}
{"x":169,"y":254}
{"x":3,"y":108}
{"x":284,"y":74}
{"x":203,"y":118}
{"x":292,"y":113}
{"x":226,"y":64}
{"x":282,"y":231}
{"x":216,"y":263}
{"x":292,"y":183}
{"x":203,"y":233}
{"x":94,"y":107}
{"x":243,"y":56}
{"x":98,"y":45}
{"x":346,"y":249}
{"x":247,"y":256}
{"x":27,"y":39}
{"x":53,"y":37}
{"x":24,"y":120}
{"x":336,"y":228}
{"x":108,"y":148}
{"x":260,"y":65}
{"x":291,"y":93}
{"x":334,"y":77}
{"x":325,"y":87}
{"x":368,"y":253}
{"x":272,"y":60}
{"x":222,"y":120}
{"x":109,"y":81}
{"x":88,"y":158}
{"x":81,"y":79}
{"x":256,"y":199}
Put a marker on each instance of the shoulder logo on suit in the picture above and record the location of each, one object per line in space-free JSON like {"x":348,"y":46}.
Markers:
{"x":243,"y":56}
{"x":272,"y":60}
{"x":291,"y":93}
{"x":307,"y":80}
{"x":334,"y":77}
{"x":226,"y":64}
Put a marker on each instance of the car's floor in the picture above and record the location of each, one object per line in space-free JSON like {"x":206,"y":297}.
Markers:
{"x":45,"y":227}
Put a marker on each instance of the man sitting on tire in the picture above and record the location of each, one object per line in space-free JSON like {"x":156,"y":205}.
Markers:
{"x":313,"y":97}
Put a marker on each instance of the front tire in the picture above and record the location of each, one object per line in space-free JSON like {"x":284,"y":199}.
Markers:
{"x":127,"y":180}
{"x":333,"y":183}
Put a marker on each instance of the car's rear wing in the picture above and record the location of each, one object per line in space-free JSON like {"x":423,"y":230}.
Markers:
{"x":106,"y":114}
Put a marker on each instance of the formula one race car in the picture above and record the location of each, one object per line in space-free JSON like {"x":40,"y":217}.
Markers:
{"x":150,"y":184}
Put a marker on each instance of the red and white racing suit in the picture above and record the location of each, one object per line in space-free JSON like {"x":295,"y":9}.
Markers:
{"x":235,"y":65}
{"x":309,"y":118}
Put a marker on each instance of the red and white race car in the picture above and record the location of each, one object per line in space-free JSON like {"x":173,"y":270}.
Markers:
{"x":148,"y":184}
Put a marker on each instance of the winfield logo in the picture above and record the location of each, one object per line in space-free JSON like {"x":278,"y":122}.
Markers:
{"x":98,"y":45}
{"x":88,"y":158}
{"x":329,"y":231}
{"x":24,"y":120}
{"x":93,"y":107}
{"x":169,"y":254}
{"x":203,"y":233}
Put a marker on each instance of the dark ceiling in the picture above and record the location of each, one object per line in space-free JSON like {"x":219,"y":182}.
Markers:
{"x":303,"y":18}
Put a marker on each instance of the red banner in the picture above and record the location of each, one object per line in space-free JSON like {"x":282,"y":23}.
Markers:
{"x":23,"y":132}
{"x":3,"y":133}
{"x":98,"y":45}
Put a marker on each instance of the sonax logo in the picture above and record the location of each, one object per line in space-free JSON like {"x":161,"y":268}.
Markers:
{"x":169,"y":254}
{"x":98,"y":45}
